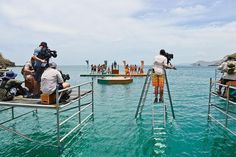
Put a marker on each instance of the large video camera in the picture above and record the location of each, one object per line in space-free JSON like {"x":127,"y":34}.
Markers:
{"x":65,"y":76}
{"x":49,"y":53}
{"x":169,"y":56}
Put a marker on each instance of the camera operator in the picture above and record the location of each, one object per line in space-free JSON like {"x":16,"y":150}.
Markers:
{"x":41,"y":55}
{"x":52,"y":77}
{"x":39,"y":60}
{"x":161,"y":62}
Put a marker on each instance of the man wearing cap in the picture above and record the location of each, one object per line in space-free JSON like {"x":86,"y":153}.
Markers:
{"x":39,"y":60}
{"x":51,"y":77}
{"x":160,"y":63}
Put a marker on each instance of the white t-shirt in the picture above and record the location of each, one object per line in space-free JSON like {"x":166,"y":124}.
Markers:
{"x":158,"y":64}
{"x":49,"y":80}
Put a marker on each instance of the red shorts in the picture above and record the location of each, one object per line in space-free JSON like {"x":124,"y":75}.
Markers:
{"x":158,"y":80}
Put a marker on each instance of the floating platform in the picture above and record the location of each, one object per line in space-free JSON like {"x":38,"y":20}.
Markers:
{"x":113,"y":75}
{"x":115,"y":80}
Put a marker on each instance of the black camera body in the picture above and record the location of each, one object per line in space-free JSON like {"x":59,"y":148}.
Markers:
{"x":50,"y":53}
{"x":169,"y":56}
{"x":65,"y":76}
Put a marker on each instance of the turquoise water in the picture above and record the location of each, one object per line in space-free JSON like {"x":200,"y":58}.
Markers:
{"x":115,"y":132}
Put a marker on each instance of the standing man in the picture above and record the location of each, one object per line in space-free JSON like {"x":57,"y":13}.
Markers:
{"x":39,"y":60}
{"x":160,"y":63}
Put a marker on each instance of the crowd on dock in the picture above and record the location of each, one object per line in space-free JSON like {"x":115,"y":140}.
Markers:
{"x":105,"y":69}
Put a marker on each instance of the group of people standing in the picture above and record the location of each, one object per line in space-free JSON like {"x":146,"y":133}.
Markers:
{"x":133,"y":69}
{"x":100,"y":69}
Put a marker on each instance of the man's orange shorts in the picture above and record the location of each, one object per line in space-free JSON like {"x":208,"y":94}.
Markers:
{"x":158,"y":80}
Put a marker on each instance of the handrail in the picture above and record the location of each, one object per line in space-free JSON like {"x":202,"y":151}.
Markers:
{"x":223,"y":85}
{"x":142,"y":93}
{"x":76,"y":86}
{"x":170,"y":99}
{"x":58,"y":107}
{"x":223,"y":110}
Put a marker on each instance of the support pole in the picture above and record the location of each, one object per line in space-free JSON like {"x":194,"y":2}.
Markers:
{"x":12,"y":113}
{"x":168,"y":89}
{"x":215,"y":78}
{"x":92,"y":95}
{"x":227,"y":107}
{"x":209,"y":102}
{"x":79,"y":96}
{"x":58,"y":122}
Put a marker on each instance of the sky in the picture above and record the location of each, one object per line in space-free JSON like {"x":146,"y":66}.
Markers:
{"x":131,"y":30}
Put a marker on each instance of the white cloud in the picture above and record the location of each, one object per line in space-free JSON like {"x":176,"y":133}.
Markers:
{"x":103,"y":29}
{"x":189,"y":11}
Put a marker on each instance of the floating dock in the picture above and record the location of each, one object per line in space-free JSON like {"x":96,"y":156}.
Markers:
{"x":113,"y":75}
{"x":115,"y":80}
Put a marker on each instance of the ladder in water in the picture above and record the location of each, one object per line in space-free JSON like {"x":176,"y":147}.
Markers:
{"x":144,"y":95}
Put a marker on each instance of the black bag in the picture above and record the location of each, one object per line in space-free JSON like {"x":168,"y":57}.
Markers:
{"x":230,"y":68}
{"x":6,"y":93}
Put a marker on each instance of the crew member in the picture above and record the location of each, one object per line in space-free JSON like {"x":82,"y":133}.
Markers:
{"x":30,"y":82}
{"x":228,"y":68}
{"x":158,"y":75}
{"x":51,"y":77}
{"x":39,"y":61}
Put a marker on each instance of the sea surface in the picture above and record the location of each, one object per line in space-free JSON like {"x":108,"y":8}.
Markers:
{"x":113,"y":132}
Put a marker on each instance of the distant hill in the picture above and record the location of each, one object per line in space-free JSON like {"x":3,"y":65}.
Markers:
{"x":205,"y":63}
{"x":212,"y":63}
{"x":5,"y":62}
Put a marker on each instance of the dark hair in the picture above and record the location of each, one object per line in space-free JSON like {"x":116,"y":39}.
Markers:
{"x":162,"y":52}
{"x":44,"y":44}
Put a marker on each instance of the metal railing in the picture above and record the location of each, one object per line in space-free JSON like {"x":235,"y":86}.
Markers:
{"x":222,"y":108}
{"x":60,"y":107}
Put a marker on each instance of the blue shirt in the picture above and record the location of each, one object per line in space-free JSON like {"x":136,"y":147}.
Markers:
{"x":37,"y":63}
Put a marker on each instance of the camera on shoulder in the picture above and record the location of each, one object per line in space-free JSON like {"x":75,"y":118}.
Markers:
{"x":50,"y":53}
{"x":169,"y":56}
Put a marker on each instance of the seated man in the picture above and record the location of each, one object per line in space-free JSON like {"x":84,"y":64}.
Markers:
{"x":10,"y":87}
{"x":51,"y":77}
{"x":228,"y":68}
{"x":30,"y":82}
